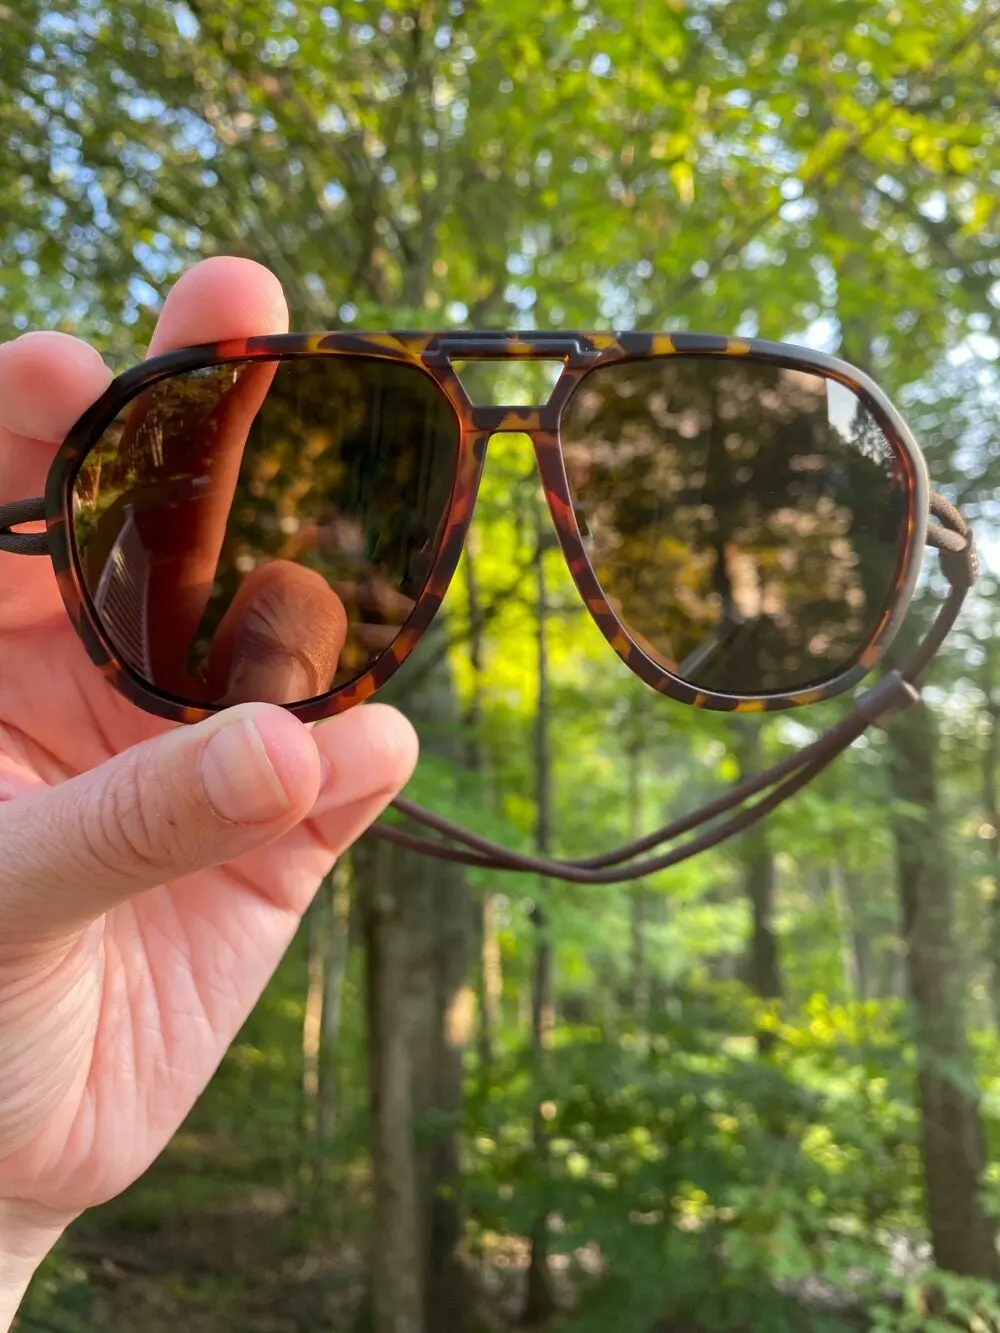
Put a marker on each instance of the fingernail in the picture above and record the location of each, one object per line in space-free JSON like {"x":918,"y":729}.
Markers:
{"x":240,"y":781}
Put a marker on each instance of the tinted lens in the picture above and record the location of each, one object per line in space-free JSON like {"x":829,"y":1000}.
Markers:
{"x":262,"y":530}
{"x":745,"y":520}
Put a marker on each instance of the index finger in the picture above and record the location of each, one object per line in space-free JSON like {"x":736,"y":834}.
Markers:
{"x":170,"y":467}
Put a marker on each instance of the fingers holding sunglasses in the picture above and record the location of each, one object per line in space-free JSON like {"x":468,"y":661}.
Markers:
{"x":192,"y":798}
{"x":280,"y":639}
{"x":181,"y":510}
{"x":369,"y":754}
{"x":47,"y":380}
{"x":217,"y":299}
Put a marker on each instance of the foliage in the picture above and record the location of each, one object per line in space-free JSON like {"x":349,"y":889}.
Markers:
{"x":687,"y":1151}
{"x":823,"y":172}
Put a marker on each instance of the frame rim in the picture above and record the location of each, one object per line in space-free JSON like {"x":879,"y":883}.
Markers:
{"x":432,"y":354}
{"x":652,"y":667}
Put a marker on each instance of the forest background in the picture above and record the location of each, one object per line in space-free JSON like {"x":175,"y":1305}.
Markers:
{"x":760,"y":1091}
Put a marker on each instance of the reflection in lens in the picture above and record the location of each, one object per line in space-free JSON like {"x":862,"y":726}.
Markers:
{"x":746,"y":521}
{"x":262,"y":529}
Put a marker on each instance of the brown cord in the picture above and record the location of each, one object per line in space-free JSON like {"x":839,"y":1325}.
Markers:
{"x":13,"y":516}
{"x":947,"y":530}
{"x":948,"y":533}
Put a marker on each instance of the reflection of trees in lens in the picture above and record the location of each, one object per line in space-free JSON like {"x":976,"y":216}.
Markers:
{"x":741,"y":522}
{"x":344,"y":466}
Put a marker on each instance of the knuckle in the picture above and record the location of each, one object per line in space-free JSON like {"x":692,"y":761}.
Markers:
{"x":130,"y":827}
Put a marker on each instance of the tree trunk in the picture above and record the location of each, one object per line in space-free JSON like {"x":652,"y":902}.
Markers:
{"x":312,"y":1023}
{"x":640,"y":957}
{"x":443,"y":1005}
{"x":338,"y":892}
{"x":491,"y":981}
{"x":763,"y":963}
{"x":397,"y":1271}
{"x":991,"y":805}
{"x":765,"y":972}
{"x":419,"y":930}
{"x":489,"y":970}
{"x":858,"y":954}
{"x":639,"y":894}
{"x":953,"y":1141}
{"x":474,"y":711}
{"x":540,"y":1303}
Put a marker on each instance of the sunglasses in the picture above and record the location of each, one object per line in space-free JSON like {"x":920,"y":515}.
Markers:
{"x":278,"y":518}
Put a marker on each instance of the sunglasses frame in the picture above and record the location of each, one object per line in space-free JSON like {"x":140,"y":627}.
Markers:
{"x":433,"y":354}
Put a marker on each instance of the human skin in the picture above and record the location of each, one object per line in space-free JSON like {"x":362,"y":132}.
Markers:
{"x":152,"y":876}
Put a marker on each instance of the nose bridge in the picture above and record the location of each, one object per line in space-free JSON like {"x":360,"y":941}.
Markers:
{"x":540,"y":461}
{"x":489,"y":346}
{"x":545,"y":452}
{"x":535,"y":419}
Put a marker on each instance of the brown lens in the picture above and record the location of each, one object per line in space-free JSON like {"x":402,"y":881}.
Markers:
{"x":261,"y":530}
{"x":745,"y":520}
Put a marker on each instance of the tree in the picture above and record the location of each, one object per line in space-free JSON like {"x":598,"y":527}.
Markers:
{"x":763,"y":964}
{"x":954,"y":1144}
{"x":827,"y":175}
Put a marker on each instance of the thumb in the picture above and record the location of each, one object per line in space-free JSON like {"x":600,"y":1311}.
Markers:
{"x":191,"y":798}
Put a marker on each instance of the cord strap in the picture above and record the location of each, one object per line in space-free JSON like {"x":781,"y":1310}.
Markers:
{"x":730,"y":813}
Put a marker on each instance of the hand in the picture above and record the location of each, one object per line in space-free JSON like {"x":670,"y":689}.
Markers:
{"x":151,"y":875}
{"x":179,"y":507}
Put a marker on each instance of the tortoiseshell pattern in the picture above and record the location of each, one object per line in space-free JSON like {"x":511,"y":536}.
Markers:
{"x":433,"y":354}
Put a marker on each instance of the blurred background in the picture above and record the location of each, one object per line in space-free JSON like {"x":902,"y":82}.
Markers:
{"x":760,"y":1092}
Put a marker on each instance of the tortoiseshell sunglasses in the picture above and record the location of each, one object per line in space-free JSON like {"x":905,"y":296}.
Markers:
{"x":278,"y":518}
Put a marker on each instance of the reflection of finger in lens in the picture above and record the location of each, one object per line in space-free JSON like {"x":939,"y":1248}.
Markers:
{"x":281,"y":638}
{"x":376,"y":595}
{"x":375,"y":639}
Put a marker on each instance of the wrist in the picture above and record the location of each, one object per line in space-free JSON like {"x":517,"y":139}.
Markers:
{"x":27,"y":1234}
